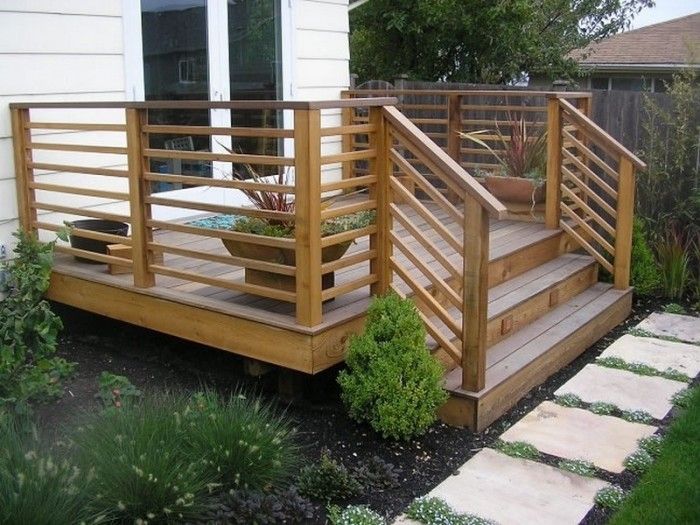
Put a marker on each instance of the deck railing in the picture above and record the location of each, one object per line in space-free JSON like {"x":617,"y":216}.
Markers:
{"x":590,"y":188}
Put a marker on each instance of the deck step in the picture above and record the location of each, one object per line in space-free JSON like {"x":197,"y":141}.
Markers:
{"x":528,"y":357}
{"x":523,"y":299}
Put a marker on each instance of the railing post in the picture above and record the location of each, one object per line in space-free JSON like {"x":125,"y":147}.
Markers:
{"x":552,"y":208}
{"x":623,"y":227}
{"x":346,"y":138}
{"x":381,"y":167}
{"x":139,"y":189}
{"x":307,"y":188}
{"x":24,"y":175}
{"x":454,"y":127}
{"x":475,"y":294}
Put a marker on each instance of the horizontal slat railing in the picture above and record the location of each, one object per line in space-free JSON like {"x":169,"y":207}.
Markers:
{"x":121,"y":162}
{"x":590,"y":188}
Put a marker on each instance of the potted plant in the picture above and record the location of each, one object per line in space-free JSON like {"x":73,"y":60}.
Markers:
{"x":283,"y":202}
{"x":522,"y":159}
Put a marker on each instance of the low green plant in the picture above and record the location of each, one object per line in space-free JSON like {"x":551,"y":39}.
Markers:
{"x":637,"y":416}
{"x":435,"y":511}
{"x":376,"y":474}
{"x":674,"y":259}
{"x":602,"y":408}
{"x":245,"y":442}
{"x":354,"y":515}
{"x":517,"y":449}
{"x":641,"y":369}
{"x":578,"y":466}
{"x":568,"y":400}
{"x":645,"y":275}
{"x":638,"y":462}
{"x":682,"y":398}
{"x":36,"y":485}
{"x":116,"y":391}
{"x":29,"y":370}
{"x":611,"y":497}
{"x":674,"y":308}
{"x":652,"y":445}
{"x":392,"y":381}
{"x":328,"y":480}
{"x":256,"y":506}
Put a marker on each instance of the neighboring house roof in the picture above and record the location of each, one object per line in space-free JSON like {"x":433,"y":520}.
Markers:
{"x":662,"y":46}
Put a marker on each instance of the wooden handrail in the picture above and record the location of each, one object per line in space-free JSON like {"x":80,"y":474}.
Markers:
{"x":470,"y":92}
{"x":447,"y":165}
{"x":599,"y":133}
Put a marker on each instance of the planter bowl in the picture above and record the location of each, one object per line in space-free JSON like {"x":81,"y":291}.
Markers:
{"x":93,"y":245}
{"x":515,"y":189}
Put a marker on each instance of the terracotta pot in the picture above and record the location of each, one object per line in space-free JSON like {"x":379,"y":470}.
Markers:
{"x":515,"y":189}
{"x":250,"y":250}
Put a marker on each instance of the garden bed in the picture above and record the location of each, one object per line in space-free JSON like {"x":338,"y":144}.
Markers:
{"x":153,"y":361}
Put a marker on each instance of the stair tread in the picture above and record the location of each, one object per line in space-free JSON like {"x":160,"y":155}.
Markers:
{"x":510,"y":355}
{"x":508,"y":295}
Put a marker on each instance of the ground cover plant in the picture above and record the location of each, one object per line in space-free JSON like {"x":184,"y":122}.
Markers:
{"x":29,"y":370}
{"x":670,"y":490}
{"x":392,"y":381}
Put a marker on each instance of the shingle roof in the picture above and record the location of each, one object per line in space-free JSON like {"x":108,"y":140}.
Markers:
{"x":662,"y":43}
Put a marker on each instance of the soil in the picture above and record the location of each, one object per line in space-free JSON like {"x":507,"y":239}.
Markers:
{"x":155,"y":361}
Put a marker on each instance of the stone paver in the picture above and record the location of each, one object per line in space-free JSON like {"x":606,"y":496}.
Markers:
{"x":627,"y":390}
{"x":683,"y":327}
{"x":657,"y":353}
{"x":574,"y":433}
{"x":516,"y":491}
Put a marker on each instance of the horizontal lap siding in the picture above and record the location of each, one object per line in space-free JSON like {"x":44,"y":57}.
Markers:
{"x":59,"y":50}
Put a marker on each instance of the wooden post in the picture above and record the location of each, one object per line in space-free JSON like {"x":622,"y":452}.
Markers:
{"x":454,"y":127}
{"x":346,"y":139}
{"x":623,"y":227}
{"x":307,"y":181}
{"x":141,"y":233}
{"x":21,"y":140}
{"x":382,"y":167}
{"x":475,"y":294}
{"x":552,"y":209}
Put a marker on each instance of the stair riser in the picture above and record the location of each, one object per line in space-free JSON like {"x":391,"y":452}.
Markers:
{"x":512,"y":320}
{"x":532,"y":256}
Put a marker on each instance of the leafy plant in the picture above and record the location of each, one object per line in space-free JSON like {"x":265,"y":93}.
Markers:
{"x":602,"y":408}
{"x":328,"y":481}
{"x":568,"y":400}
{"x":521,"y":153}
{"x":376,"y":474}
{"x":241,"y":439}
{"x":116,"y":391}
{"x":638,"y":462}
{"x":29,"y":329}
{"x":255,"y":506}
{"x":517,"y":449}
{"x":674,"y":308}
{"x":645,"y":273}
{"x":435,"y":511}
{"x":35,"y":485}
{"x":652,"y":445}
{"x":354,"y":515}
{"x":257,"y":226}
{"x":611,"y":497}
{"x":578,"y":466}
{"x":682,"y":399}
{"x":637,"y":416}
{"x":392,"y":381}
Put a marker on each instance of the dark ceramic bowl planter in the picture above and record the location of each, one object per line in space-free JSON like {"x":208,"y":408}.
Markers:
{"x":93,"y":245}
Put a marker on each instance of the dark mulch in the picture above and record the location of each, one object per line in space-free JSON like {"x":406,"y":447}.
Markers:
{"x":155,"y":361}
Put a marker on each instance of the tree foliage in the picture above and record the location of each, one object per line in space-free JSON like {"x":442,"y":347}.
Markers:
{"x":483,"y":41}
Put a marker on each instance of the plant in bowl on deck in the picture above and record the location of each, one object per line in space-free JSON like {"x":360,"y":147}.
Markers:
{"x":522,"y":157}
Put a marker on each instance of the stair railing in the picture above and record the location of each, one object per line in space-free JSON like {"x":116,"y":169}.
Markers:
{"x":590,"y":187}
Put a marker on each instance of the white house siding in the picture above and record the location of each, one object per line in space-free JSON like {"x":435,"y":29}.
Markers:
{"x":59,"y":50}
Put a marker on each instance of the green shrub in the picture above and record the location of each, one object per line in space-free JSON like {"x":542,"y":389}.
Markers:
{"x":645,"y":275}
{"x":652,"y":445}
{"x":244,"y":441}
{"x":354,"y":515}
{"x":142,"y":468}
{"x":611,"y":497}
{"x":29,"y":330}
{"x":328,"y":480}
{"x":638,"y":462}
{"x":35,"y":485}
{"x":376,"y":474}
{"x":392,"y":381}
{"x":116,"y":391}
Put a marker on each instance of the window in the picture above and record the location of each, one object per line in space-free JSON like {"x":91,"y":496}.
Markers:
{"x":627,"y":84}
{"x":599,"y":83}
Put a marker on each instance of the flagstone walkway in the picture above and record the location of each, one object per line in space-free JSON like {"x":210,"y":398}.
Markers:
{"x":508,"y":490}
